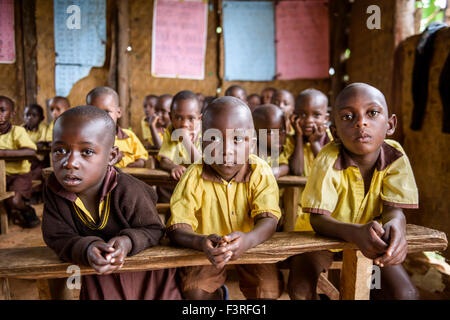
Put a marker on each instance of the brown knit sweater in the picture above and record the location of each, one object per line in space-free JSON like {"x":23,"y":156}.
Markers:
{"x":132,"y":213}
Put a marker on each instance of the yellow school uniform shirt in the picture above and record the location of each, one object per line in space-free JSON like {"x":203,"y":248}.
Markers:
{"x":131,"y":146}
{"x":49,"y":133}
{"x":302,"y":223}
{"x":147,"y":134}
{"x":175,"y":150}
{"x":285,"y":154}
{"x":336,"y":186}
{"x":40,"y":134}
{"x":17,"y":138}
{"x":208,"y":204}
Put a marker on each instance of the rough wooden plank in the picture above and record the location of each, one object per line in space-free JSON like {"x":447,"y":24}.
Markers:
{"x":123,"y":41}
{"x":290,"y":199}
{"x":355,"y":275}
{"x":6,"y":195}
{"x":2,"y":176}
{"x":29,"y":49}
{"x":325,"y":286}
{"x":3,"y":219}
{"x":4,"y":287}
{"x":42,"y":262}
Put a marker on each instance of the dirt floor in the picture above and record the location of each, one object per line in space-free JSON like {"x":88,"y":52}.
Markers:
{"x":430,"y":272}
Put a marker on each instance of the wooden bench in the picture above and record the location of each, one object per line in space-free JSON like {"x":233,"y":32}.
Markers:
{"x":4,"y":221}
{"x":42,"y":262}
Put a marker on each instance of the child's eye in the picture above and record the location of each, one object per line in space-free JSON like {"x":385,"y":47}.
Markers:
{"x":59,"y":151}
{"x":347,"y":117}
{"x":88,"y":152}
{"x":238,"y":139}
{"x":215,"y":139}
{"x":373,"y":113}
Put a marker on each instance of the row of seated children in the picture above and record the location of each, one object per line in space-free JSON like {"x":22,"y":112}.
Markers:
{"x":355,"y":180}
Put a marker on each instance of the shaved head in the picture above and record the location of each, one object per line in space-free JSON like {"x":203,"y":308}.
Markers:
{"x":102,"y":91}
{"x":227,"y":107}
{"x":268,"y":114}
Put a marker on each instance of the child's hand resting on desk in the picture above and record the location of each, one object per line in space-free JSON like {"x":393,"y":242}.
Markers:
{"x":395,"y":237}
{"x":216,"y":252}
{"x":106,"y":258}
{"x":237,"y":243}
{"x":369,"y":239}
{"x":297,"y":126}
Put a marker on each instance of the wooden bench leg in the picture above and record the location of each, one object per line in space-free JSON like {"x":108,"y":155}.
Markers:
{"x":290,"y":199}
{"x":3,"y":219}
{"x":355,"y":276}
{"x":325,"y":286}
{"x":4,"y":287}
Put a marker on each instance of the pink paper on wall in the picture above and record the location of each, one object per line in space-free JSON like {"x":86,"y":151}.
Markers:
{"x":302,"y":35}
{"x":179,"y":39}
{"x":7,"y":45}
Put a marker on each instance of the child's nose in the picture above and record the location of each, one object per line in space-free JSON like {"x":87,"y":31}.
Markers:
{"x":71,"y":161}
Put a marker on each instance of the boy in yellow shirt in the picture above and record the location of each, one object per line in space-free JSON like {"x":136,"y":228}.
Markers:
{"x":225,"y":206}
{"x":131,"y":150}
{"x":357,"y":189}
{"x":269,"y":119}
{"x":57,"y":106}
{"x":152,"y":133}
{"x":15,"y":142}
{"x":37,"y":130}
{"x":309,"y":120}
{"x":181,"y":142}
{"x":285,"y":101}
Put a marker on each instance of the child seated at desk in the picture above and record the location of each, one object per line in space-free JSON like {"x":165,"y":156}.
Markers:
{"x":96,"y":215}
{"x":270,"y":122}
{"x":15,"y":142}
{"x":267,"y":95}
{"x":237,"y":91}
{"x":57,"y":106}
{"x":285,"y":101}
{"x":131,"y":150}
{"x":150,"y":134}
{"x":37,"y":130}
{"x":253,"y":101}
{"x":309,"y":120}
{"x":181,"y":144}
{"x":225,"y":206}
{"x":357,"y":189}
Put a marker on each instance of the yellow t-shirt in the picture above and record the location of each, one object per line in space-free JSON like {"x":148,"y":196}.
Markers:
{"x":15,"y":139}
{"x":49,"y":133}
{"x":285,"y":154}
{"x":209,"y":204}
{"x":147,"y":134}
{"x":175,"y":150}
{"x":336,"y":186}
{"x":131,"y":146}
{"x":86,"y":217}
{"x":40,"y":134}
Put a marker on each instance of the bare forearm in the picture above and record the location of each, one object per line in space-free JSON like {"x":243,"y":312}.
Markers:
{"x":331,"y":227}
{"x":391,"y":213}
{"x":264,"y":228}
{"x":167,"y":164}
{"x":280,"y":171}
{"x":25,"y":152}
{"x":315,"y":148}
{"x":187,"y":238}
{"x":297,"y":161}
{"x":157,"y":142}
{"x":139,"y":163}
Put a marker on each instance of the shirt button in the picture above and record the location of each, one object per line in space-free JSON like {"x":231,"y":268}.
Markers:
{"x":229,"y":185}
{"x":232,"y":213}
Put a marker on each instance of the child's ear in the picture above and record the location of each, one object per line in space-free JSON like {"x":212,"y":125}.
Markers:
{"x":327,"y":117}
{"x":392,"y":124}
{"x":292,"y":118}
{"x":334,"y":133}
{"x":119,"y":112}
{"x":113,"y":156}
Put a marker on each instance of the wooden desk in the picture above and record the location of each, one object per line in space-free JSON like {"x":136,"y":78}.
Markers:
{"x":3,"y":196}
{"x":42,"y":262}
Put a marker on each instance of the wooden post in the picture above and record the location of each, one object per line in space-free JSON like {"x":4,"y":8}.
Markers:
{"x":403,"y":28}
{"x":29,"y":50}
{"x":123,"y":43}
{"x":20,"y":81}
{"x":339,"y":18}
{"x":4,"y":287}
{"x":290,"y":199}
{"x":3,"y":212}
{"x":355,"y":276}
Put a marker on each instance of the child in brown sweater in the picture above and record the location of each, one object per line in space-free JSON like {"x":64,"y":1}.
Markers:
{"x":92,"y":218}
